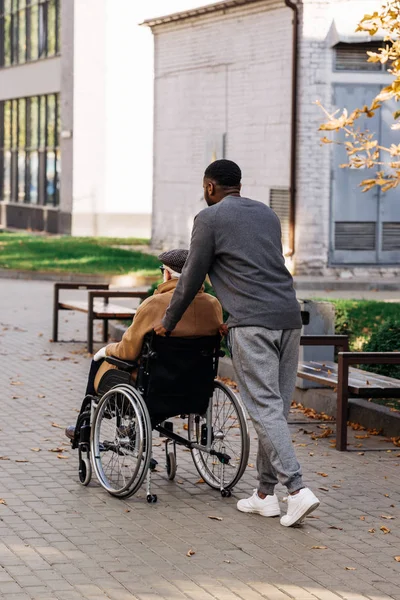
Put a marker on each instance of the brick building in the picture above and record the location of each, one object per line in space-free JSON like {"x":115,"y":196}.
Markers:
{"x":226,"y":86}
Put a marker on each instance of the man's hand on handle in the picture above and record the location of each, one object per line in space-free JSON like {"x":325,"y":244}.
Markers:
{"x":223,"y":330}
{"x":160,"y":330}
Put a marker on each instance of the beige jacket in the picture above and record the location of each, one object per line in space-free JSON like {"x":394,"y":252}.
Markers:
{"x":203,"y":317}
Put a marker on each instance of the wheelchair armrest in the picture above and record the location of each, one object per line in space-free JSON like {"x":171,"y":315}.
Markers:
{"x":122,"y":365}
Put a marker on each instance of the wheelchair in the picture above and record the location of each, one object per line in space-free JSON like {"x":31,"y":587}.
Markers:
{"x":176,"y":377}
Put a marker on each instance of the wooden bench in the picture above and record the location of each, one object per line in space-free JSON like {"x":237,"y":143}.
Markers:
{"x":94,"y":307}
{"x":349,"y":380}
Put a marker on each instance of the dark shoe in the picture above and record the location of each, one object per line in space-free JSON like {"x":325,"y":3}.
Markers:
{"x":70,"y":432}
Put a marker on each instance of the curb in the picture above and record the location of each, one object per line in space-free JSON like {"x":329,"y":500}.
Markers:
{"x":328,"y":285}
{"x":128,"y":280}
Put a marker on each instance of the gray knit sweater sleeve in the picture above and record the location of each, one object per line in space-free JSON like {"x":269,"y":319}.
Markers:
{"x":199,"y":260}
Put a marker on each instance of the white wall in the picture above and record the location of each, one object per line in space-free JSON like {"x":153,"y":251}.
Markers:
{"x":220,"y":74}
{"x":113,"y":115}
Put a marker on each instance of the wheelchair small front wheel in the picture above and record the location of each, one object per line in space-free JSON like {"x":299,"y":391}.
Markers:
{"x":85,"y":470}
{"x":152,"y":498}
{"x":171,"y":465}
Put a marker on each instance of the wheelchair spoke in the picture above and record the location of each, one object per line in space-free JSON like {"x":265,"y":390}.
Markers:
{"x":229,"y":436}
{"x":119,"y":443}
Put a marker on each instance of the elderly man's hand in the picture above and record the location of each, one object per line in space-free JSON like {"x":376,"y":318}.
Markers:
{"x":160,"y":330}
{"x":223,"y":330}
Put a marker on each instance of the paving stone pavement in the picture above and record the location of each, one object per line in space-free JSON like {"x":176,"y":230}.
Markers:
{"x":61,"y":541}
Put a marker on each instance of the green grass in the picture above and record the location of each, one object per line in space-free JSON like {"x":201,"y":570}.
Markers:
{"x":66,"y":254}
{"x":360,"y":318}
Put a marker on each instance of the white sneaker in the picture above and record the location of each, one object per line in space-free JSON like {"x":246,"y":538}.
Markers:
{"x":267,"y":507}
{"x":299,"y":506}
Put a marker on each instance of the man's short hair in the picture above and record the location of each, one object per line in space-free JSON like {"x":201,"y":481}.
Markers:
{"x":224,"y":172}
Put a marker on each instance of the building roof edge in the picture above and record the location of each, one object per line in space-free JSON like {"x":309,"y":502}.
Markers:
{"x":197,"y":12}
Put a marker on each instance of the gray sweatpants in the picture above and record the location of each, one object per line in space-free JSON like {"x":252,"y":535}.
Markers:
{"x":265,"y":363}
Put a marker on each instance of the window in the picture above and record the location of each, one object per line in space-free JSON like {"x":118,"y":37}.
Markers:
{"x":279,"y":201}
{"x":353,"y":57}
{"x":30,"y":161}
{"x":29,"y":30}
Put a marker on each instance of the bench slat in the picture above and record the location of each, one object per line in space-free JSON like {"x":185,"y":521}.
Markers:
{"x":361,"y":383}
{"x":100,"y":309}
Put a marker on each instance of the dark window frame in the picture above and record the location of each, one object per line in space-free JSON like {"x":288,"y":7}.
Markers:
{"x":23,"y":13}
{"x":23,"y":145}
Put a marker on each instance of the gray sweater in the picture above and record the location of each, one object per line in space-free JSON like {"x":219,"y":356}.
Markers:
{"x":238,"y":243}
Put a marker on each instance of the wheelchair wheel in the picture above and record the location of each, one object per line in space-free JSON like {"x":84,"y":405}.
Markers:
{"x":121,"y":441}
{"x":171,"y":465}
{"x":230,"y":436}
{"x":85,"y":469}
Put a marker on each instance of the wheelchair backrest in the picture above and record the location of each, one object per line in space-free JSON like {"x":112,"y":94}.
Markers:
{"x":178,"y":368}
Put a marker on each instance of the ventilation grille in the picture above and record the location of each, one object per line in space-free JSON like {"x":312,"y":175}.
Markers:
{"x":353,"y":57}
{"x":355,"y":236}
{"x":279,"y":201}
{"x":390,"y":236}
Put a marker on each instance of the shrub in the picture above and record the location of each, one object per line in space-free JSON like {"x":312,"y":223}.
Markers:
{"x":385,"y":339}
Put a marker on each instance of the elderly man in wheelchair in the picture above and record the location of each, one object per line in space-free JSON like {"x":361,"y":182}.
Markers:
{"x":139,"y":384}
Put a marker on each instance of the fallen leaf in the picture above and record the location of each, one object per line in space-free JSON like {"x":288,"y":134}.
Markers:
{"x":2,"y":501}
{"x":337,"y":486}
{"x":250,"y":465}
{"x":384,"y":529}
{"x":179,"y":481}
{"x":229,"y":562}
{"x":322,"y":474}
{"x":15,"y":397}
{"x":324,"y":489}
{"x":35,"y":449}
{"x":362,"y":437}
{"x":386,"y":495}
{"x":4,"y":458}
{"x":350,"y":568}
{"x":41,"y":396}
{"x":200,"y":481}
{"x":56,"y":450}
{"x":215,"y":518}
{"x":375,"y":431}
{"x":326,"y":433}
{"x":311,"y":517}
{"x":334,"y":527}
{"x":388,"y":517}
{"x":16,"y":383}
{"x":319,"y":547}
{"x":185,"y":426}
{"x":190,"y":552}
{"x":21,"y":460}
{"x":362,"y":518}
{"x":127,"y":510}
{"x":57,"y":425}
{"x":397,"y":558}
{"x":371,"y":530}
{"x":62,"y":456}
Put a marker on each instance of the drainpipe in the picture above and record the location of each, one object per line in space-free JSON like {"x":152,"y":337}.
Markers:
{"x":293,"y":146}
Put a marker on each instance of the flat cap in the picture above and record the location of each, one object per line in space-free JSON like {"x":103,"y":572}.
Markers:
{"x":175,"y":259}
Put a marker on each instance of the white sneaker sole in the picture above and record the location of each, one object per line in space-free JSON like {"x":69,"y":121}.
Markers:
{"x":259,"y":512}
{"x":300,"y":516}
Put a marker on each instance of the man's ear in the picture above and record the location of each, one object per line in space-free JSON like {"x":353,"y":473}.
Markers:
{"x":211,"y":188}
